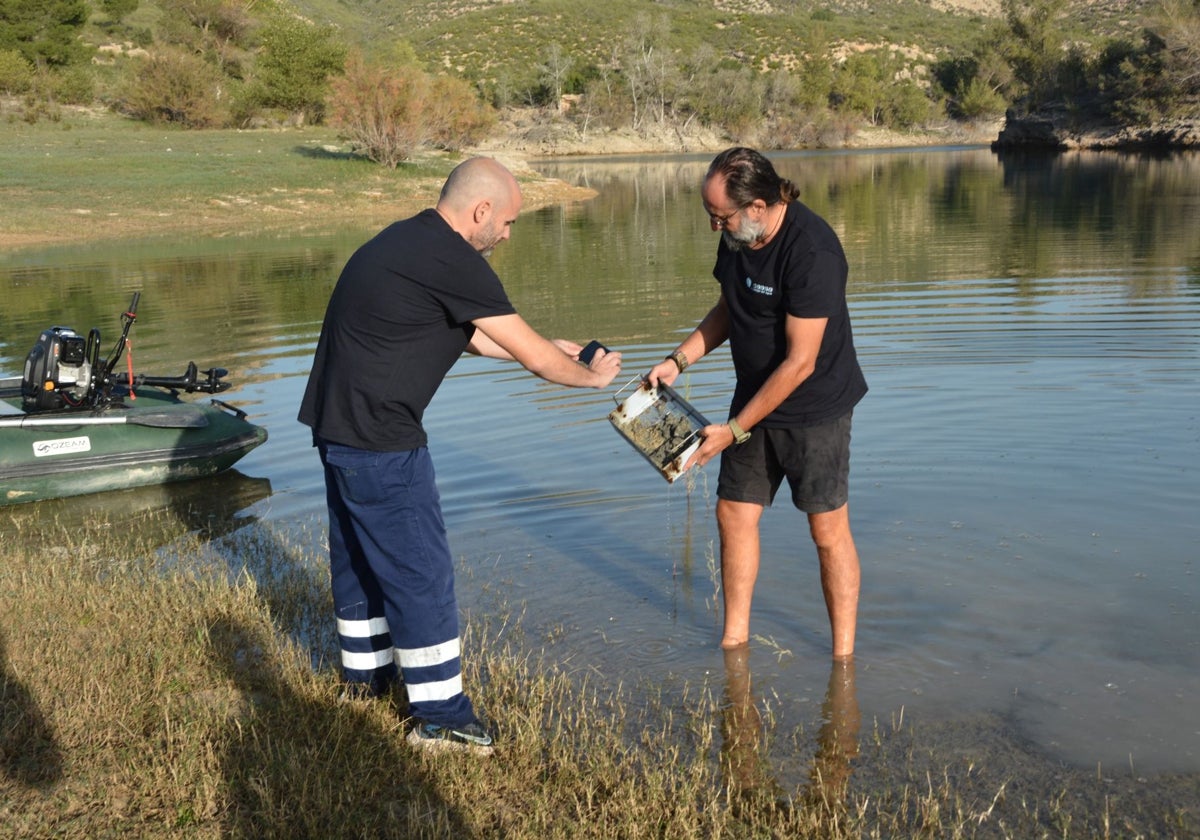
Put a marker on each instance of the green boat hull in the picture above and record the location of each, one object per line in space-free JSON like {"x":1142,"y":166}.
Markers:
{"x":154,"y":439}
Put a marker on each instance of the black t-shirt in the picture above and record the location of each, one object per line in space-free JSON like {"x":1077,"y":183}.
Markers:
{"x":802,"y":272}
{"x":399,"y":317}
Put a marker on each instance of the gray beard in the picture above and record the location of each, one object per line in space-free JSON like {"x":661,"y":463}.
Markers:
{"x":748,"y":233}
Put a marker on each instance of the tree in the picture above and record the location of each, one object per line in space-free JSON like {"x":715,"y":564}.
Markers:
{"x":554,"y":71}
{"x":45,"y":32}
{"x":1034,"y":48}
{"x":1177,"y":24}
{"x":862,"y":85}
{"x":647,"y":68}
{"x":293,"y":70}
{"x":815,"y":74}
{"x":117,"y":10}
{"x":1159,"y":77}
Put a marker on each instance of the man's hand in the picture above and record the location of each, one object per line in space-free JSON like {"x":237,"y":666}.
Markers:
{"x":606,"y":363}
{"x":663,"y":373}
{"x":717,"y":438}
{"x":567,"y":346}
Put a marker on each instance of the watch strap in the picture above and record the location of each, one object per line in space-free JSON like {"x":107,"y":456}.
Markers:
{"x":740,"y":435}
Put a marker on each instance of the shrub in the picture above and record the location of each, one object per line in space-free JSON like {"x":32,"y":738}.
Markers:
{"x":73,"y":85}
{"x":174,"y":86}
{"x":380,"y":111}
{"x":732,"y":99}
{"x":387,"y":113}
{"x":16,"y":74}
{"x":976,"y":99}
{"x":456,"y":115}
{"x":908,"y":107}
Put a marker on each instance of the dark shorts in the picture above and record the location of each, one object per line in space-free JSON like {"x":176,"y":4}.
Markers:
{"x":815,"y":460}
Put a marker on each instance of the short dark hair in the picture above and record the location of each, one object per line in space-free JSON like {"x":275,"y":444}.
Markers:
{"x":749,"y":176}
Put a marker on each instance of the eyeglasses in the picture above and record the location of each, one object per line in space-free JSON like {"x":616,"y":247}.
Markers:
{"x":719,"y":222}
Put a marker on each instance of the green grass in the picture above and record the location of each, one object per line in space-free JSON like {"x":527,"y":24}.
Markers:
{"x":101,"y":176}
{"x":97,"y":176}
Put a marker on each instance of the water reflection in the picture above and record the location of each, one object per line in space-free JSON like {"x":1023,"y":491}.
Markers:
{"x":210,"y":508}
{"x":837,"y":740}
{"x":744,"y":754}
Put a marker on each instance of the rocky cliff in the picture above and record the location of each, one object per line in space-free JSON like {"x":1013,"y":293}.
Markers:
{"x":1061,"y":130}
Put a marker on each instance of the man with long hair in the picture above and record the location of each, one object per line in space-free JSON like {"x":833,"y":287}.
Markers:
{"x":782,"y":307}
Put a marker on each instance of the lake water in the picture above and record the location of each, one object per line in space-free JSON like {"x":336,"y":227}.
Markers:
{"x":1025,"y":469}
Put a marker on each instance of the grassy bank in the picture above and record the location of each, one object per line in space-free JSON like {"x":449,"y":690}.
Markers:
{"x":157,"y":679}
{"x":97,"y":176}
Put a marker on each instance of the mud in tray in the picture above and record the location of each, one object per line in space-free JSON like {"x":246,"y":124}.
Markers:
{"x":660,"y":424}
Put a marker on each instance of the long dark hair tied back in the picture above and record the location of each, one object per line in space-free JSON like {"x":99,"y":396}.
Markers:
{"x":750,"y":176}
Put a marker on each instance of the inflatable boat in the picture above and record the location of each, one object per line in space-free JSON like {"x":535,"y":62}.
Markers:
{"x":71,"y":424}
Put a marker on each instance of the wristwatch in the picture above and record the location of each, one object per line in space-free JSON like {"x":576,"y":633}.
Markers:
{"x":680,"y":360}
{"x":740,"y":435}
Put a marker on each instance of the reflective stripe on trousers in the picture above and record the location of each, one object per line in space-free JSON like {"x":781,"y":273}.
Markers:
{"x":393,"y":577}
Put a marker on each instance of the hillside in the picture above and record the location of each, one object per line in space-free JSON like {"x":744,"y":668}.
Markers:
{"x":632,"y":75}
{"x":502,"y":42}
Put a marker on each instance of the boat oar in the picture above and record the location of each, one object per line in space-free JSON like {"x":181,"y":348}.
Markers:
{"x":185,"y":418}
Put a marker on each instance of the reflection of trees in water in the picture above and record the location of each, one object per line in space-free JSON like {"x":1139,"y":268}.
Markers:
{"x":1099,"y":209}
{"x":911,"y":217}
{"x":744,"y":759}
{"x":223,"y":299}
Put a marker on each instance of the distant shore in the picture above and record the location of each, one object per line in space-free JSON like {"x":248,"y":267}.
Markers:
{"x":94,"y":176}
{"x":524,"y":134}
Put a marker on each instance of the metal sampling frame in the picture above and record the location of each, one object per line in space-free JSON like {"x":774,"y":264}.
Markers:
{"x":660,"y":424}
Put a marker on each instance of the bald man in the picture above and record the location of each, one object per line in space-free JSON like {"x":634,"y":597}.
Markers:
{"x":407,"y":305}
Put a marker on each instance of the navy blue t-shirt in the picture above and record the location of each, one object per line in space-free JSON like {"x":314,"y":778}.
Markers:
{"x":802,"y":271}
{"x":398,"y":319}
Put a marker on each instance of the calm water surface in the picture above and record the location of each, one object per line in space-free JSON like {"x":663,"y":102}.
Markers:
{"x":1025,"y":468}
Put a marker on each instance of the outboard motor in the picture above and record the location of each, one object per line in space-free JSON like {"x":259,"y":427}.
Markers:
{"x":57,"y":371}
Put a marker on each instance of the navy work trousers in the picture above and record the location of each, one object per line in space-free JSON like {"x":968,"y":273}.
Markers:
{"x":393,"y":578}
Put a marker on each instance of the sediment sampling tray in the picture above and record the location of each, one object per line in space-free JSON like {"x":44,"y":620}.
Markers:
{"x":660,"y":424}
